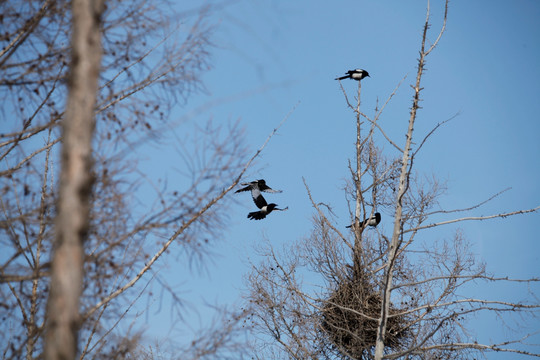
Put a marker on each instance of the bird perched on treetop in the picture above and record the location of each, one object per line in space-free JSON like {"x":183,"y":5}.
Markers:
{"x":373,"y":220}
{"x":356,"y":74}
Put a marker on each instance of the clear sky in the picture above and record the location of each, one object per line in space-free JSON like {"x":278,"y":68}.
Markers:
{"x":274,"y":55}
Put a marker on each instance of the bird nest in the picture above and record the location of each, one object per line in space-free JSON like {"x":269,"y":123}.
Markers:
{"x":348,"y":320}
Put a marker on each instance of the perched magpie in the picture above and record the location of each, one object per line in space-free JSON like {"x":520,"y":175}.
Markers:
{"x":373,"y":220}
{"x":264,"y":206}
{"x":258,"y":185}
{"x":356,"y":74}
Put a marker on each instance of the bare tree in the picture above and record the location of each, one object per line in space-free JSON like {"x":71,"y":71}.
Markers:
{"x":150,"y":62}
{"x":364,"y":294}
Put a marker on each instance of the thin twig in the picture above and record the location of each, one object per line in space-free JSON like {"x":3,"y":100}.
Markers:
{"x":473,"y":218}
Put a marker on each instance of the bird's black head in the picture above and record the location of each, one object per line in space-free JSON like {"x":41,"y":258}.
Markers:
{"x":378,"y":217}
{"x":261,"y":182}
{"x":367,"y":74}
{"x":271,"y":207}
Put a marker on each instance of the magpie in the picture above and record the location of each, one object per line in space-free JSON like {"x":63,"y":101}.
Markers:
{"x":372,"y":221}
{"x":356,"y":74}
{"x":257,"y":185}
{"x":264,"y":206}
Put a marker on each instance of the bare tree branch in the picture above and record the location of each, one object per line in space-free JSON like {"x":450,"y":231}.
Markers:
{"x":148,"y":265}
{"x":504,"y":215}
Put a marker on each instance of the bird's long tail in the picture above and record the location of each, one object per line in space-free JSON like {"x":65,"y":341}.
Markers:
{"x":256,"y":215}
{"x":343,"y":77}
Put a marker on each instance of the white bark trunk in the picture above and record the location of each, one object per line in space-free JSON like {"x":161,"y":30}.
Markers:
{"x":403,"y":187}
{"x":358,"y":185}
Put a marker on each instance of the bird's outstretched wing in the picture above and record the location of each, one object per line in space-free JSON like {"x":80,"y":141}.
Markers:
{"x":258,"y":199}
{"x":257,"y":184}
{"x":243,"y":189}
{"x":247,"y":186}
{"x":269,"y":190}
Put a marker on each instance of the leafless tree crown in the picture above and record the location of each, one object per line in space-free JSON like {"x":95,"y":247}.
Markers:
{"x":385,"y":292}
{"x":151,"y":60}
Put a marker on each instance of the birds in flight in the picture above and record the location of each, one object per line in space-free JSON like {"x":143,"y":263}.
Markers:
{"x":256,"y":187}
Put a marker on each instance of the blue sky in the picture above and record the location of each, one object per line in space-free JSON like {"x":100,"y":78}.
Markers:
{"x":276,"y":55}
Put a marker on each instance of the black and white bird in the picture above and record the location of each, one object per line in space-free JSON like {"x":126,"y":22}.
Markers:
{"x":264,"y":206}
{"x":257,"y":185}
{"x":356,"y":74}
{"x":373,"y":221}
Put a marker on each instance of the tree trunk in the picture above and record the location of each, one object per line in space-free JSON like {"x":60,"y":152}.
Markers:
{"x":403,"y":188}
{"x":75,"y":182}
{"x":357,"y":256}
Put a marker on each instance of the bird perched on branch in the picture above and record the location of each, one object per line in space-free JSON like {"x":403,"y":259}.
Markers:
{"x":356,"y":74}
{"x":373,"y":221}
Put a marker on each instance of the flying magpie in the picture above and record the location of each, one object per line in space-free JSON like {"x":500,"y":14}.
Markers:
{"x":356,"y":74}
{"x":257,"y":185}
{"x":373,"y":220}
{"x":264,"y":206}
